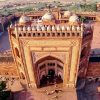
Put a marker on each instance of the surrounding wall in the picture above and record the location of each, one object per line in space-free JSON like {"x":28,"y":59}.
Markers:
{"x":94,"y":69}
{"x":7,"y":65}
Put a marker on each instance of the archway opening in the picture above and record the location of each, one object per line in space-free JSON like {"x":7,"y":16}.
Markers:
{"x":49,"y":71}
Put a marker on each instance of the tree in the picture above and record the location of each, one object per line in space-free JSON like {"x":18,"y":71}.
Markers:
{"x":3,"y":94}
{"x":2,"y":85}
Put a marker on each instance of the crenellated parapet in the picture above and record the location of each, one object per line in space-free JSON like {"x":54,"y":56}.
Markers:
{"x":48,"y":30}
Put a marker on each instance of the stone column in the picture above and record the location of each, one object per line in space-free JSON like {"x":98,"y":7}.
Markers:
{"x":74,"y":65}
{"x":29,"y":67}
{"x":66,"y":70}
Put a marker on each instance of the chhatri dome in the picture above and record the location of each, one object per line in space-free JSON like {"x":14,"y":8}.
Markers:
{"x":67,"y":14}
{"x":74,"y":18}
{"x":24,"y":19}
{"x":48,"y":16}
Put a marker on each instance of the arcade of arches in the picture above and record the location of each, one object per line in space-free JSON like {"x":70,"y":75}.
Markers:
{"x":49,"y":71}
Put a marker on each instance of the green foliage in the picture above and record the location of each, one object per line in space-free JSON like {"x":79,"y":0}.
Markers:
{"x":40,"y":5}
{"x":82,"y":18}
{"x":3,"y":94}
{"x":2,"y":85}
{"x":26,"y":9}
{"x":89,"y":7}
{"x":81,"y":7}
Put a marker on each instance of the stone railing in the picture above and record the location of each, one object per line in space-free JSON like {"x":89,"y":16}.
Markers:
{"x":47,"y":31}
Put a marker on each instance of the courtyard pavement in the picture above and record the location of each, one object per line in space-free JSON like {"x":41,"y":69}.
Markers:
{"x":89,"y":92}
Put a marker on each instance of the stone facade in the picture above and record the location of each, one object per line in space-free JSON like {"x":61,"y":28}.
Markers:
{"x":93,"y":70}
{"x":55,"y":37}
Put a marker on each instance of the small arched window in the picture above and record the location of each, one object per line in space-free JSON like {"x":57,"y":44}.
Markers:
{"x":20,"y":35}
{"x":53,"y":34}
{"x":33,"y":34}
{"x":38,"y":34}
{"x":43,"y":34}
{"x":73,"y":34}
{"x":78,"y":34}
{"x":29,"y":34}
{"x":22,"y":75}
{"x":68,"y":34}
{"x":24,"y":34}
{"x":17,"y":52}
{"x":13,"y":35}
{"x":58,"y":34}
{"x":63,"y":34}
{"x":48,"y":34}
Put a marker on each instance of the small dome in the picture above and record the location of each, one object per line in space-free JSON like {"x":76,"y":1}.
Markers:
{"x":20,"y":29}
{"x":48,"y":28}
{"x":29,"y":28}
{"x":43,"y":28}
{"x":53,"y":28}
{"x":48,"y":17}
{"x":24,"y":19}
{"x":63,"y":28}
{"x":68,"y":28}
{"x":73,"y":18}
{"x":67,"y":14}
{"x":78,"y":28}
{"x":73,"y":28}
{"x":24,"y":28}
{"x":38,"y":28}
{"x":33,"y":28}
{"x":58,"y":28}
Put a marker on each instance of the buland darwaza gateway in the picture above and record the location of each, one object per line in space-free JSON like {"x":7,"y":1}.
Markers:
{"x":51,"y":47}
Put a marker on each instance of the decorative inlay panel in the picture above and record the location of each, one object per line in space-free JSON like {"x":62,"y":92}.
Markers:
{"x":58,"y":43}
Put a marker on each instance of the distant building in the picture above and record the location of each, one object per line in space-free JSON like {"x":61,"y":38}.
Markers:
{"x":98,"y":6}
{"x":7,"y":66}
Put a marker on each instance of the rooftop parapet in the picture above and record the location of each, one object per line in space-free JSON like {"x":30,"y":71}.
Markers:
{"x":52,"y":30}
{"x":49,"y":28}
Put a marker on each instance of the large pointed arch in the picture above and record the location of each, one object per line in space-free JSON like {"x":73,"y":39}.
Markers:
{"x":45,"y":64}
{"x":48,"y":58}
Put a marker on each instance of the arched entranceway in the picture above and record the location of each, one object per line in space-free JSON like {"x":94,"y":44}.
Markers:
{"x":49,"y":71}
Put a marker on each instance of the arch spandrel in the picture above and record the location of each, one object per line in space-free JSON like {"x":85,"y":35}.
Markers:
{"x":39,"y":55}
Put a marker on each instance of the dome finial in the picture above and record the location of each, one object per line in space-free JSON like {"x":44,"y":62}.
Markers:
{"x":49,"y":7}
{"x":48,"y":16}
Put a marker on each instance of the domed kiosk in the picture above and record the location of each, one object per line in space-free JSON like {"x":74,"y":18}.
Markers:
{"x":24,"y":20}
{"x":67,"y":14}
{"x":48,"y":17}
{"x":74,"y":20}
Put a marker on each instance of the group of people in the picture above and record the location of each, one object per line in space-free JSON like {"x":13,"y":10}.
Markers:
{"x":50,"y":80}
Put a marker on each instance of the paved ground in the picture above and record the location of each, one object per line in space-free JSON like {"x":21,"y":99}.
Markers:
{"x":88,"y":93}
{"x":47,"y":93}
